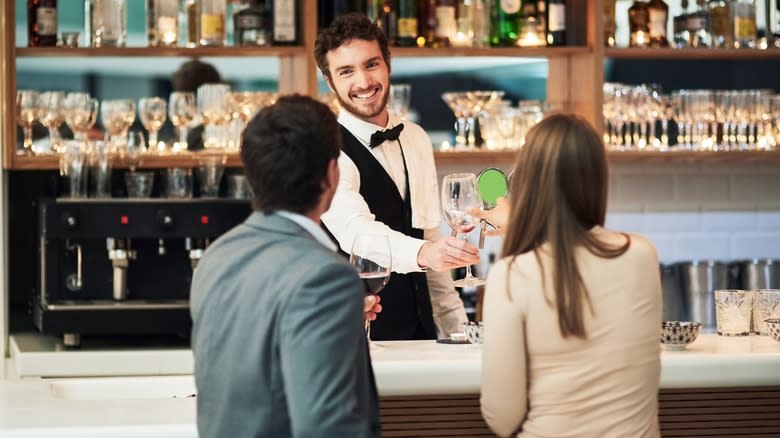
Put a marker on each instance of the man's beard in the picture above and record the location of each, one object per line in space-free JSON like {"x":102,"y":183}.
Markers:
{"x":360,"y":113}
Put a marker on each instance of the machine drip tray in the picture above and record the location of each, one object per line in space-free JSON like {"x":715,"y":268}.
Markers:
{"x":40,"y":355}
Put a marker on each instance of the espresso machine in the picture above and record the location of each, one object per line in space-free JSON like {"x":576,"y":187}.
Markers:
{"x":123,"y":266}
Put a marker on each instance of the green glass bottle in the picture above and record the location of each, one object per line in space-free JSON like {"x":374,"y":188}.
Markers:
{"x":505,"y":18}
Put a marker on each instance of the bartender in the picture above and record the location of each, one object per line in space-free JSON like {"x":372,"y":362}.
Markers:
{"x":388,"y":185}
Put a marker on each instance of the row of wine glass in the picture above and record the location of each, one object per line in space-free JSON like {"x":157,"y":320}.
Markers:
{"x":216,"y":106}
{"x":643,"y":117}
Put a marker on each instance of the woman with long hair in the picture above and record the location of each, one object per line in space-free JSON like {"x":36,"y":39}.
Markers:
{"x":572,"y":310}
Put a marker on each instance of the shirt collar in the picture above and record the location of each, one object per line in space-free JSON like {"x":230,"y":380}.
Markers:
{"x":311,"y":227}
{"x":361,"y":129}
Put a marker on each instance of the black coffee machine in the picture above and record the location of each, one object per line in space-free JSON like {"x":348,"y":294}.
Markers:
{"x":123,"y":266}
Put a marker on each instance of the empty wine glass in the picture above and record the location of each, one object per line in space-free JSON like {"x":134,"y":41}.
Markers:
{"x":117,"y":116}
{"x":133,"y":149}
{"x":181,"y":111}
{"x":28,"y":110}
{"x":153,"y":112}
{"x":53,"y":115}
{"x":80,"y":114}
{"x":398,"y":104}
{"x":212,"y":106}
{"x":458,"y":195}
{"x":371,"y":258}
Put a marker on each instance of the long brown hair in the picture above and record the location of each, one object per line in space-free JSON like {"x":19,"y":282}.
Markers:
{"x":558,"y":193}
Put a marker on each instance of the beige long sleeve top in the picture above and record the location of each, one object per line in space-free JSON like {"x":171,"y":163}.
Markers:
{"x":538,"y":384}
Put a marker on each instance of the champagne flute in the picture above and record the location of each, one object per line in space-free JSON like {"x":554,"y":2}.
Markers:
{"x":53,"y":116}
{"x":458,"y":195}
{"x":370,"y":256}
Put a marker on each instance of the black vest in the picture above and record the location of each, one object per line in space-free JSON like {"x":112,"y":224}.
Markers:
{"x":406,"y":305}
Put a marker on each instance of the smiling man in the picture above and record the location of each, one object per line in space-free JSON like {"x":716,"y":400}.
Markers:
{"x":388,"y":185}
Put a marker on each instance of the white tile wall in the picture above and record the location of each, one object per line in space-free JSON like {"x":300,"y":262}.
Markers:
{"x":691,"y":211}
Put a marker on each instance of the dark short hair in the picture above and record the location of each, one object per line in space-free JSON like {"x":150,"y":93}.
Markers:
{"x":286,"y":149}
{"x":192,"y":74}
{"x":343,"y":29}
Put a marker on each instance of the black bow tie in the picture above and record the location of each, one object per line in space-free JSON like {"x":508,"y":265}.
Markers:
{"x":391,"y":134}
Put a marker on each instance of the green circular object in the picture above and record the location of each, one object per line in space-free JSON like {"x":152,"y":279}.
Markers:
{"x":491,"y":185}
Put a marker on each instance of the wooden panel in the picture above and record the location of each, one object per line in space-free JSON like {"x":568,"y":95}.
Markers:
{"x":8,"y":83}
{"x":698,"y":412}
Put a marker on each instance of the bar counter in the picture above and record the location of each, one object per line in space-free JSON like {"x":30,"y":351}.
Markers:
{"x":718,"y":386}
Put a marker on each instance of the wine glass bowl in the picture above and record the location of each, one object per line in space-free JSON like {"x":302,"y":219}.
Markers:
{"x":153,"y":112}
{"x":181,"y":111}
{"x":371,"y":258}
{"x":28,"y":110}
{"x":53,"y":116}
{"x":458,"y":196}
{"x":80,"y":113}
{"x":117,"y":116}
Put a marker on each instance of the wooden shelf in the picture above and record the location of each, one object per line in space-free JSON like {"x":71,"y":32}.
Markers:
{"x":159,"y":51}
{"x":644,"y":53}
{"x":521,"y":52}
{"x":187,"y":159}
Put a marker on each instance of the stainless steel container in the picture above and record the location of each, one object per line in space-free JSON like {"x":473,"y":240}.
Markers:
{"x":674,"y":298}
{"x":699,"y":278}
{"x":757,"y":274}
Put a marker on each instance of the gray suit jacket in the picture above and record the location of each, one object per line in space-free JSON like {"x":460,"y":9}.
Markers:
{"x":278,"y":337}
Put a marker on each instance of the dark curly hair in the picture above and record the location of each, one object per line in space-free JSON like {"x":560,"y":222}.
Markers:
{"x":286,"y":149}
{"x":343,"y":29}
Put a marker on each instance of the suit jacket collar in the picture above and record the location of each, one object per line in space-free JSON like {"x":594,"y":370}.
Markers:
{"x":276,"y":224}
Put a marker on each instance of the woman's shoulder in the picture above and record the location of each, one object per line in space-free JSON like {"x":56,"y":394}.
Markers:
{"x":638,"y":244}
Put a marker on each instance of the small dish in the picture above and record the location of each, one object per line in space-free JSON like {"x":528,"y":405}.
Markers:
{"x":676,"y":335}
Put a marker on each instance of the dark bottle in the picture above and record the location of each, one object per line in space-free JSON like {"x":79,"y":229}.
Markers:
{"x":388,"y":22}
{"x":658,"y":14}
{"x":556,"y":23}
{"x":406,"y":22}
{"x":41,"y":22}
{"x":285,"y":22}
{"x":252,"y":25}
{"x":505,"y":18}
{"x":638,"y":22}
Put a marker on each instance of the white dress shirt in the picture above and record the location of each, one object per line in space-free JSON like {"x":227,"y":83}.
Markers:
{"x":349,"y":214}
{"x":311,"y":227}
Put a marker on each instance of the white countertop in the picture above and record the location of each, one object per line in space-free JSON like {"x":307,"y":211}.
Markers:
{"x":158,"y":405}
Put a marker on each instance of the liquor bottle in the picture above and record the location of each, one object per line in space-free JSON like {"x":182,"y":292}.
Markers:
{"x":151,"y":24}
{"x":638,"y":24}
{"x":658,"y":13}
{"x":388,"y":22}
{"x":191,"y":13}
{"x":681,"y":37}
{"x":556,"y":22}
{"x":426,"y":14}
{"x":41,"y":23}
{"x":285,"y":24}
{"x":373,"y":8}
{"x":719,"y":23}
{"x":253,"y":24}
{"x":406,"y":22}
{"x":610,"y":26}
{"x":211,"y":21}
{"x":108,"y":23}
{"x":167,"y":23}
{"x":505,"y":18}
{"x":446,"y":23}
{"x":742,"y":22}
{"x":699,"y":26}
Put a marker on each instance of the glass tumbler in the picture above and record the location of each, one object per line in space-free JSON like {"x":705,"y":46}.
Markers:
{"x":766,"y":304}
{"x":139,"y":184}
{"x":178,"y":182}
{"x":210,"y":171}
{"x":733,"y":310}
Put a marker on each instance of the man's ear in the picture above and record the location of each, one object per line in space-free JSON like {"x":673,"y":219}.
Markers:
{"x":332,"y":175}
{"x":327,"y":81}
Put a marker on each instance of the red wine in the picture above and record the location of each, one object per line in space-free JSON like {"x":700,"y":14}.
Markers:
{"x":374,"y":281}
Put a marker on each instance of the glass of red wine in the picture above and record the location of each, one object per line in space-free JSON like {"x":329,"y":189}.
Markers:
{"x":458,"y":195}
{"x":371,"y":259}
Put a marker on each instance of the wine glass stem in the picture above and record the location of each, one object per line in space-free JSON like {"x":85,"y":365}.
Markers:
{"x":367,"y":327}
{"x":28,"y":137}
{"x":153,"y":140}
{"x":183,"y":136}
{"x":468,"y":276}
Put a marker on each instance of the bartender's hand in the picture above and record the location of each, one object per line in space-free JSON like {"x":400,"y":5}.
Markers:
{"x":447,"y":253}
{"x":497,"y":216}
{"x":371,"y":307}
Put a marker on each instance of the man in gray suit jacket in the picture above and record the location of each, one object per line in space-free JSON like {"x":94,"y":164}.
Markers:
{"x":277,"y":314}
